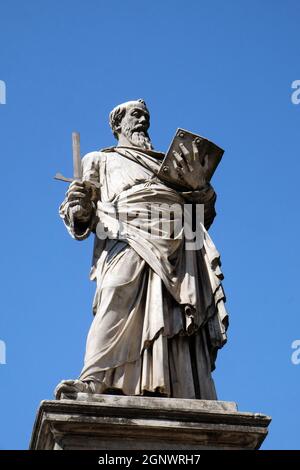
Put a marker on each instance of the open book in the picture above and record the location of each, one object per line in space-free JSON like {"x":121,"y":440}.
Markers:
{"x":207,"y":149}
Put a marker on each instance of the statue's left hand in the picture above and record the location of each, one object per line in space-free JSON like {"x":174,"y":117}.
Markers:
{"x":189,"y":168}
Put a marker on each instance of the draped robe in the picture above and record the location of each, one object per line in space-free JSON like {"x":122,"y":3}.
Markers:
{"x":159,"y":314}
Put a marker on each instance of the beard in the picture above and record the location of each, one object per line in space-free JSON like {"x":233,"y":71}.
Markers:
{"x":138,"y":138}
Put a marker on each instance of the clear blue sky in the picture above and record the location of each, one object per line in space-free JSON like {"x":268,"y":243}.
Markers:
{"x":221,"y":69}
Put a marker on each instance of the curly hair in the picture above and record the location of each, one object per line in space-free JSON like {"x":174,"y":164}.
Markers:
{"x":117,"y":114}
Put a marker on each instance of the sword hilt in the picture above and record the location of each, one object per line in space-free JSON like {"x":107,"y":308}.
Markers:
{"x":60,"y":177}
{"x":76,"y":161}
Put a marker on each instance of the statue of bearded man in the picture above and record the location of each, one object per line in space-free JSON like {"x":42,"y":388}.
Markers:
{"x":159,"y":315}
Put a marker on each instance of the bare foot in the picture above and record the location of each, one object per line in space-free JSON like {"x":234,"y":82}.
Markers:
{"x":72,"y":387}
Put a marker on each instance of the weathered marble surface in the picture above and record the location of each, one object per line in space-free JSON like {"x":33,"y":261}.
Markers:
{"x":159,"y":306}
{"x":108,"y":422}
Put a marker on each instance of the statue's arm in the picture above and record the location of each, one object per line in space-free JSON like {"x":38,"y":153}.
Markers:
{"x":206,"y":196}
{"x":78,"y":210}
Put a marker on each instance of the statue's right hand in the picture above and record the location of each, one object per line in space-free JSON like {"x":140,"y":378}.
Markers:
{"x":79,"y":201}
{"x":77,"y":190}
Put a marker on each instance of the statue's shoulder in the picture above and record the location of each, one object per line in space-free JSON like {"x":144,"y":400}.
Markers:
{"x":93,"y":158}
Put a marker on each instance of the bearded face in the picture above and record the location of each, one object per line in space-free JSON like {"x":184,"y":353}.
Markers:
{"x":140,"y":139}
{"x":135,"y":125}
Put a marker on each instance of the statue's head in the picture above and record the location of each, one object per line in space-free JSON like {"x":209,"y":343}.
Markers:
{"x":130,"y":122}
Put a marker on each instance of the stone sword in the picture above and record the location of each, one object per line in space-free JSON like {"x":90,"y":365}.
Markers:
{"x":77,"y":172}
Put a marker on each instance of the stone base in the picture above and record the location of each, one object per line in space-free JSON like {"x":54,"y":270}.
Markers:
{"x":111,"y":422}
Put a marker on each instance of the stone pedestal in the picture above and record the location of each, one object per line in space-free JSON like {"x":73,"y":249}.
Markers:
{"x":111,"y":422}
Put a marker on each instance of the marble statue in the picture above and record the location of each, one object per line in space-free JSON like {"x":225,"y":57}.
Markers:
{"x":159,"y":313}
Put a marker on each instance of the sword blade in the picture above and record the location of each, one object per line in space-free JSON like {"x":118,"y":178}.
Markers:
{"x":77,"y":173}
